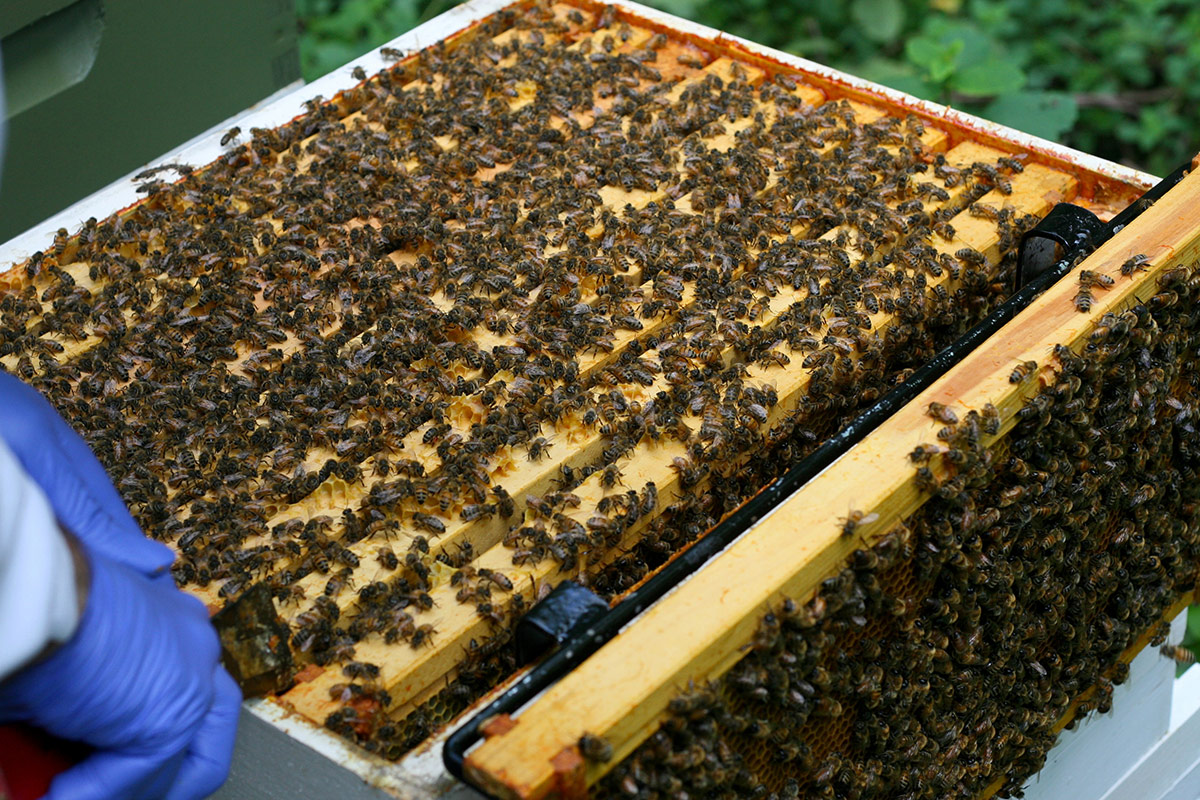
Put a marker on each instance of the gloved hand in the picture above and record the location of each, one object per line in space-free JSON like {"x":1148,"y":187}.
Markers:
{"x":79,"y":491}
{"x":141,"y":682}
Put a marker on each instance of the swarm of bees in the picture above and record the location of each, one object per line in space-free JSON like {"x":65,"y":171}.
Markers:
{"x":319,"y":361}
{"x":941,"y":662}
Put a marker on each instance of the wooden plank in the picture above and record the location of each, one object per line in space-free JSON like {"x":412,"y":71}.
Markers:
{"x":696,"y":633}
{"x":586,"y":442}
{"x":333,"y":495}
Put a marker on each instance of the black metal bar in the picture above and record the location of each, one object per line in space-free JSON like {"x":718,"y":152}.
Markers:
{"x":600,"y":631}
{"x":1067,"y":228}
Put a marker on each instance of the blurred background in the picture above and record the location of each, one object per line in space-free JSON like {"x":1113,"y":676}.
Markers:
{"x":1117,"y":79}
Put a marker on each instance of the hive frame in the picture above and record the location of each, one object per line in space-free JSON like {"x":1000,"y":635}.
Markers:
{"x":800,"y":542}
{"x":419,"y":774}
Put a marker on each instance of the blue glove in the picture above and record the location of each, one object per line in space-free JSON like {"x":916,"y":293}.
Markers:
{"x":79,"y":491}
{"x":141,"y":682}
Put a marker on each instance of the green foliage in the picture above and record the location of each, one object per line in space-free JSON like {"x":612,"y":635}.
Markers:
{"x":1191,"y":637}
{"x":333,"y":32}
{"x":1115,"y":79}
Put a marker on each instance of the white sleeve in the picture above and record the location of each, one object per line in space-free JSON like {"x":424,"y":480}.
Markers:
{"x":38,"y":601}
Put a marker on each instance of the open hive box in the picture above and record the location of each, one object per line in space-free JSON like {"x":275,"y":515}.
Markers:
{"x":544,"y":301}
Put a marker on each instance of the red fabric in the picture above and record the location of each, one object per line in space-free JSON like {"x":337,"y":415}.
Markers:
{"x":29,"y":760}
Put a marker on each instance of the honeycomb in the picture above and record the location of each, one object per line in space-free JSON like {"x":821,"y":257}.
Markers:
{"x":541,"y":302}
{"x":942,"y":662}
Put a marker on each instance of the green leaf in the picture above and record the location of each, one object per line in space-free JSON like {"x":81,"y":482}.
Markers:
{"x":680,"y":8}
{"x":922,"y":51}
{"x":971,"y":45}
{"x":811,"y":46}
{"x":878,"y":20}
{"x":1045,"y":114}
{"x":936,"y":58}
{"x":989,"y":78}
{"x":896,"y":74}
{"x":1192,"y":635}
{"x":1154,"y":125}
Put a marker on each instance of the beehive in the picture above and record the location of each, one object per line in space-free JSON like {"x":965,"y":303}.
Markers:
{"x":422,"y":343}
{"x":1043,"y":526}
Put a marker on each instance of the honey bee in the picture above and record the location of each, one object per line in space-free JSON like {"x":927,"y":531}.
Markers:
{"x":1163,"y":300}
{"x":1022,"y":371}
{"x":1134,"y":263}
{"x":1011,"y":163}
{"x":970,"y":255}
{"x":649,"y":498}
{"x":595,"y":748}
{"x":538,"y":448}
{"x":854,"y":519}
{"x":496,"y":578}
{"x":923,"y":452}
{"x":504,"y":502}
{"x":423,"y":635}
{"x":387,"y":558}
{"x":230,"y":135}
{"x":474,"y":511}
{"x":991,"y":420}
{"x":610,"y":476}
{"x":926,"y":481}
{"x":359,"y":669}
{"x":428,"y":522}
{"x":1089,"y":279}
{"x":608,"y":16}
{"x":942,"y":413}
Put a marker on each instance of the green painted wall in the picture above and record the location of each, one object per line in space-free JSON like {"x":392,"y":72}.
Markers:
{"x":164,"y":70}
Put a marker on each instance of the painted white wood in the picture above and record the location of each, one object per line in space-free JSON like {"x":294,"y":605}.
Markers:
{"x":280,"y":756}
{"x":1170,"y":771}
{"x":1138,"y":752}
{"x":1185,"y":701}
{"x":1188,"y":787}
